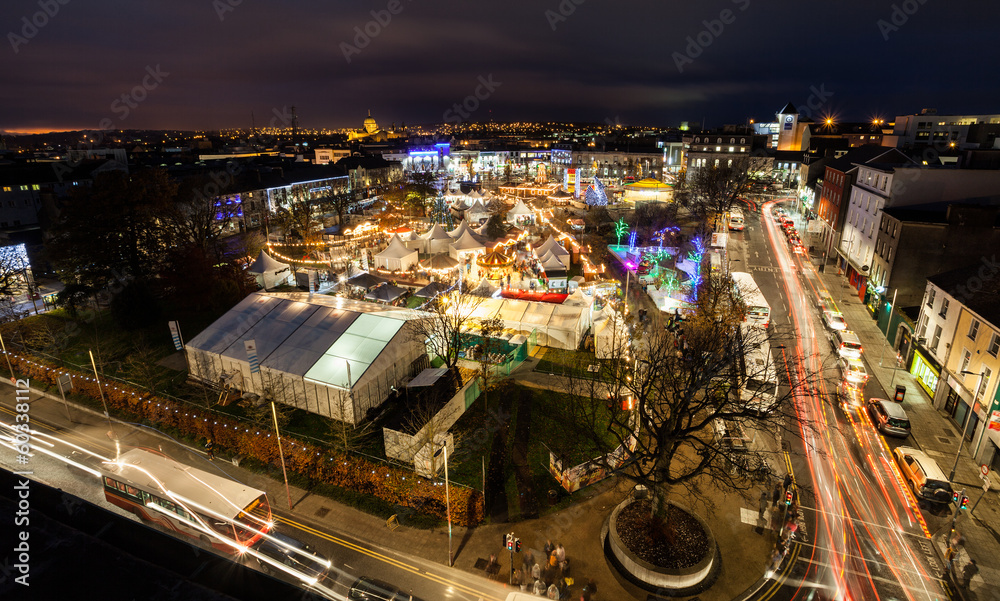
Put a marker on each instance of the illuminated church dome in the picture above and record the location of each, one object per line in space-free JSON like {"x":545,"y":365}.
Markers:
{"x":370,"y":125}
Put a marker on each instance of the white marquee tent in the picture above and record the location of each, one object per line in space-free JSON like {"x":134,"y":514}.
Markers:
{"x":396,"y":257}
{"x":436,"y":240}
{"x":466,"y":244}
{"x":323,"y":354}
{"x":558,"y":326}
{"x":268,"y":271}
{"x":520,"y":213}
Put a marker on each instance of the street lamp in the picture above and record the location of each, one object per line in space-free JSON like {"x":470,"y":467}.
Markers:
{"x":447,"y":496}
{"x":965,"y":424}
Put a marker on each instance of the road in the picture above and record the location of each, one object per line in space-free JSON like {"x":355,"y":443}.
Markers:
{"x":350,"y":557}
{"x":864,"y":535}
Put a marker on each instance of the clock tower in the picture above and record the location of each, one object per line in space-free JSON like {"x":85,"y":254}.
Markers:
{"x":789,"y":136}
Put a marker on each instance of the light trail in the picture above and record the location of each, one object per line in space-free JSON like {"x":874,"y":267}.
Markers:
{"x":864,"y":511}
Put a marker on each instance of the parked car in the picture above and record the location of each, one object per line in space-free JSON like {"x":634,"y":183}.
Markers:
{"x":310,"y":566}
{"x":834,"y":320}
{"x":846,"y":343}
{"x":923,"y":475}
{"x":889,"y":417}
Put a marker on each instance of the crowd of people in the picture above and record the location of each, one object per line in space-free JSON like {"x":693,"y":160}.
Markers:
{"x":549,"y":576}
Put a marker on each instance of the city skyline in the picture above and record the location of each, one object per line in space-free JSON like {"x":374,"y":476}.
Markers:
{"x":223,"y":64}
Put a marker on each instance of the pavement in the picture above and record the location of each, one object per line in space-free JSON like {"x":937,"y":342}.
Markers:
{"x":936,"y":434}
{"x":744,"y":543}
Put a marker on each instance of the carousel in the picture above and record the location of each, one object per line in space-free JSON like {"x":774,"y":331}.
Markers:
{"x":495,"y":265}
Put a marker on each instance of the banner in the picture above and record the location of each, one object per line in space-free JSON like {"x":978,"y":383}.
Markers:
{"x":175,"y":333}
{"x":995,"y":420}
{"x":251,"y":347}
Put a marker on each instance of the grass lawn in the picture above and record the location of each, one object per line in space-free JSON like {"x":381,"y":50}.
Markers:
{"x":568,"y":363}
{"x":552,"y":428}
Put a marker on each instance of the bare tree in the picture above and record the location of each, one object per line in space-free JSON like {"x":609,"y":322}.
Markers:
{"x":441,"y":323}
{"x":712,"y":191}
{"x":489,"y":346}
{"x":685,"y":391}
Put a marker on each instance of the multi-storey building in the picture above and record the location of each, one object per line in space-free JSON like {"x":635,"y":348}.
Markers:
{"x":967,"y":388}
{"x":895,"y":181}
{"x":927,"y":129}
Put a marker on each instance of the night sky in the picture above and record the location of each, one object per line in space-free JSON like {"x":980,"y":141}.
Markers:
{"x":570,"y":60}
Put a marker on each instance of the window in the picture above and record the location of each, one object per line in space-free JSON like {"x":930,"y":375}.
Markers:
{"x":936,"y":339}
{"x":984,"y":384}
{"x":888,"y":254}
{"x":922,"y":328}
{"x":931,"y":293}
{"x":944,"y":307}
{"x":974,"y":329}
{"x":966,"y":359}
{"x":994,"y":344}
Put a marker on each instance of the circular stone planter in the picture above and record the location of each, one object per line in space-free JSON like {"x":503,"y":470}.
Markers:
{"x":664,"y":581}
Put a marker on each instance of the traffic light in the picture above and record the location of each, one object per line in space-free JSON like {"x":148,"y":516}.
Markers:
{"x":517,"y":545}
{"x":954,"y":497}
{"x":510,"y":542}
{"x":965,"y":502}
{"x":504,"y":540}
{"x":788,"y":497}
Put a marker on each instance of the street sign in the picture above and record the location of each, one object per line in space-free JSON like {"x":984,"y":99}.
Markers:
{"x":984,"y":470}
{"x":986,"y":486}
{"x":65,"y":382}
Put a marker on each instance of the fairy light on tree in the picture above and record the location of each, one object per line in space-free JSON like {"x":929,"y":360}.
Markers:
{"x":620,"y":228}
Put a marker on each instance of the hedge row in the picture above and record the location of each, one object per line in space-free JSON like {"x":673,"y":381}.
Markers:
{"x":393,"y":485}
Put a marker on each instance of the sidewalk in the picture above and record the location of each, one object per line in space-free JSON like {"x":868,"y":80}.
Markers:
{"x":936,"y":435}
{"x":744,"y":547}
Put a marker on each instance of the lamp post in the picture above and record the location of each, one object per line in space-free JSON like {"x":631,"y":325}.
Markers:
{"x":965,"y":423}
{"x":447,"y":496}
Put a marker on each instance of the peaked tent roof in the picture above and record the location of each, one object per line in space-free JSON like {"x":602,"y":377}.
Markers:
{"x":460,"y":231}
{"x":459,"y":205}
{"x":396,"y":249}
{"x":436,"y":233}
{"x":433,"y":289}
{"x":386,"y":293}
{"x":559,"y":193}
{"x":552,"y":263}
{"x":265,"y":263}
{"x":365,"y":280}
{"x":520,"y":208}
{"x":577,"y":299}
{"x":474,"y":194}
{"x":477,"y":207}
{"x":439,"y":261}
{"x":467,"y":242}
{"x":553,"y":246}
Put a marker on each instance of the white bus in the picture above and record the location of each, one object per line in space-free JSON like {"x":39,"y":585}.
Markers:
{"x":759,"y":379}
{"x":758,"y":311}
{"x":221,"y":512}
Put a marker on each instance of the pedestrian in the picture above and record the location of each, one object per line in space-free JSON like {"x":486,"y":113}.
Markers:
{"x":788,"y":481}
{"x":529,"y":559}
{"x":560,"y":553}
{"x":970,"y":570}
{"x":210,"y":449}
{"x":776,"y":557}
{"x":538,"y":588}
{"x":763,"y":505}
{"x":590,"y":590}
{"x":553,"y":592}
{"x":776,"y":495}
{"x":548,"y":549}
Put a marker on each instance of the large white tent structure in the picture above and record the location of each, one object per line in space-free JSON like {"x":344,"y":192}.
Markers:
{"x":396,"y":257}
{"x":558,"y":326}
{"x":323,"y":354}
{"x":553,"y":247}
{"x":268,"y":271}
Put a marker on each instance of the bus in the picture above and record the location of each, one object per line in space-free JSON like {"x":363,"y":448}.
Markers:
{"x":758,"y":311}
{"x":759,"y":379}
{"x":221,"y":512}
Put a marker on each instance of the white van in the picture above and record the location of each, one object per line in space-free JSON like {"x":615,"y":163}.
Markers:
{"x":736,"y":221}
{"x":846,"y":343}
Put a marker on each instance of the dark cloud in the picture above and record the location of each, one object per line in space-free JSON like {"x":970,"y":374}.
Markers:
{"x":571,"y":60}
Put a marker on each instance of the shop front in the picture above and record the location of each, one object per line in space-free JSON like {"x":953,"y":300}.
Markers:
{"x":926,"y":370}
